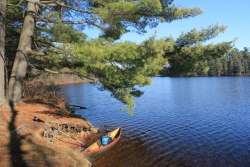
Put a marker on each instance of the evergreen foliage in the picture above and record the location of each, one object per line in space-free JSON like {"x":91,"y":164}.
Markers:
{"x":190,"y":57}
{"x":211,"y":60}
{"x":119,"y":67}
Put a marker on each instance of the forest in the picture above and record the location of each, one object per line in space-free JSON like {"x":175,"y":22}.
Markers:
{"x":185,"y":121}
{"x":231,"y":62}
{"x":39,"y":37}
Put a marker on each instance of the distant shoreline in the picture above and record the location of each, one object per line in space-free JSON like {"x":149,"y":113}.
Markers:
{"x":189,"y":76}
{"x":64,"y":79}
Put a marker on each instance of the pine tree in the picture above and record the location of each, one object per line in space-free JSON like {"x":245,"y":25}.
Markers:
{"x":2,"y":49}
{"x":191,"y":57}
{"x":113,"y":18}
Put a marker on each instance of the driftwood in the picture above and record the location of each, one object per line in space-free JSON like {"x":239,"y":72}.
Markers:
{"x":77,"y":106}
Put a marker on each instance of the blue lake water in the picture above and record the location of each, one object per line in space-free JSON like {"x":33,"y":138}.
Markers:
{"x":177,"y":122}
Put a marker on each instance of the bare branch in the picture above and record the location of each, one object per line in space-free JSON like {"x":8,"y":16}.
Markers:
{"x":36,"y":53}
{"x":92,"y":23}
{"x":51,"y":71}
{"x":62,"y":4}
{"x":16,"y":5}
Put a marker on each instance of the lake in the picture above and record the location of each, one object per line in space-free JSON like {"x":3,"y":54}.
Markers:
{"x":177,"y":122}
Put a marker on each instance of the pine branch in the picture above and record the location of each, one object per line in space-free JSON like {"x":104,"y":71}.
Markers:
{"x":47,"y":20}
{"x":62,"y":4}
{"x":36,"y":53}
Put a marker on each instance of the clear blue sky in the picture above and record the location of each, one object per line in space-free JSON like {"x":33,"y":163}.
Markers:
{"x":235,"y":14}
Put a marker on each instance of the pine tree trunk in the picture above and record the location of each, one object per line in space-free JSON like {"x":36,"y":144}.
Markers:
{"x":19,"y":68}
{"x":2,"y":50}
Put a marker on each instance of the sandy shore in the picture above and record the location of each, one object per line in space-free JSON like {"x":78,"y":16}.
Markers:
{"x":54,"y":141}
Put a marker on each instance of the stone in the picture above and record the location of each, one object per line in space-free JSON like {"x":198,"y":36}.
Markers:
{"x":94,"y":130}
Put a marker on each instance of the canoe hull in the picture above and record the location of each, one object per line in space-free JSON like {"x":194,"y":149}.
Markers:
{"x":96,"y":148}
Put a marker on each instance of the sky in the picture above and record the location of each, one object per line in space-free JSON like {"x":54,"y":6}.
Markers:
{"x":234,"y":14}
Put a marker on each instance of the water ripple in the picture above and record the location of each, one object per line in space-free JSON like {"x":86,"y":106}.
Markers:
{"x":178,"y":122}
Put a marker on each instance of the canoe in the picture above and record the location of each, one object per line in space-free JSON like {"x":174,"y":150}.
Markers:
{"x":96,"y":147}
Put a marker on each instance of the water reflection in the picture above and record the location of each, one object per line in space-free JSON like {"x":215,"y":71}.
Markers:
{"x":177,"y":122}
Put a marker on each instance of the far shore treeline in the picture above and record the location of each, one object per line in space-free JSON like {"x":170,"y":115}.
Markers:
{"x":211,"y":60}
{"x":39,"y":37}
